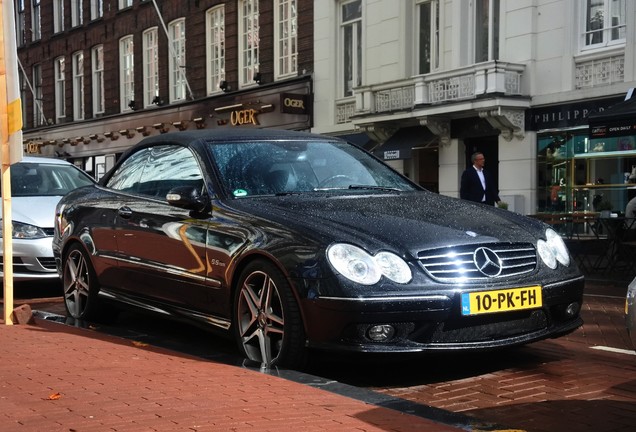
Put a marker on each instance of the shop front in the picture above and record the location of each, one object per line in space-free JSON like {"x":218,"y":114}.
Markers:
{"x":579,"y":172}
{"x":95,"y":144}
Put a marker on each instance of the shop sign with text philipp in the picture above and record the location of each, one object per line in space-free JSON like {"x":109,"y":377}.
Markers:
{"x":566,"y":115}
{"x":291,"y":103}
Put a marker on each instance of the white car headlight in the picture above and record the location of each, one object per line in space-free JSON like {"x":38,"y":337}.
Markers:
{"x":25,"y":231}
{"x":357,"y":265}
{"x":553,"y":249}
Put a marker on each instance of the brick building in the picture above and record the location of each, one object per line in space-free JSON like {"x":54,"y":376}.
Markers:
{"x":99,"y":75}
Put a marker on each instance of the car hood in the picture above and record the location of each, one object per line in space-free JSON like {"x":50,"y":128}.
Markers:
{"x":36,"y":210}
{"x":417,"y":221}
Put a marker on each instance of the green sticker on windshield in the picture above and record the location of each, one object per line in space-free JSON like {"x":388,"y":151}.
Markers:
{"x":239,"y":193}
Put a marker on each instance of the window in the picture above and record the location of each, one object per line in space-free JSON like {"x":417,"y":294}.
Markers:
{"x":351,"y":45}
{"x":126,"y":73}
{"x":36,"y":23}
{"x":215,"y":23}
{"x":77,"y":17}
{"x":428,"y":37}
{"x":123,"y":4}
{"x":78,"y":86}
{"x":154,"y":171}
{"x":151,"y":66}
{"x":177,"y":65}
{"x":60,"y":89}
{"x":286,"y":37}
{"x":58,"y":16}
{"x":97,"y":57}
{"x":604,"y":23}
{"x":97,"y":9}
{"x":486,"y":30}
{"x":38,"y":112}
{"x":248,"y":41}
{"x":20,"y":24}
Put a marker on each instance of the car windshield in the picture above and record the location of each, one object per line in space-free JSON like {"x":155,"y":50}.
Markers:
{"x":42,"y":179}
{"x":287,"y":167}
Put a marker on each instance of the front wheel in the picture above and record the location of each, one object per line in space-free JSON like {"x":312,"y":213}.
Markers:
{"x":80,"y":284}
{"x":267,"y":322}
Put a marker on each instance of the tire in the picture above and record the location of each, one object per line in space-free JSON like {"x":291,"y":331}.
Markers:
{"x":267,"y":324}
{"x":79,"y":283}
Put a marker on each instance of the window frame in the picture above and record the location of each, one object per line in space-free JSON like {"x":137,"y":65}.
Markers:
{"x":177,"y":61}
{"x":97,"y":9}
{"x":126,"y":72}
{"x":60,"y":87}
{"x":491,"y":36}
{"x":58,"y":16}
{"x":249,"y":42}
{"x":428,"y":32}
{"x":150,"y":65}
{"x":355,"y":63}
{"x":36,"y":20}
{"x":77,"y":13}
{"x":97,"y":74}
{"x":285,"y":38}
{"x":606,"y":30}
{"x":215,"y":48}
{"x":78,"y":85}
{"x":39,"y":119}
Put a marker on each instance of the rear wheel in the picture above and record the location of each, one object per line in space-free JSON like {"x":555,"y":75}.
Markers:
{"x":267,"y":322}
{"x":80,"y":284}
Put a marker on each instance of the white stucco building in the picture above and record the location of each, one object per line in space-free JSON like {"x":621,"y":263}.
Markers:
{"x":432,"y":81}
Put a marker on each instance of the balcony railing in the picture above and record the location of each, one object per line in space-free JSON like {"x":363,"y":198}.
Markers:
{"x":434,"y":88}
{"x":594,"y":72}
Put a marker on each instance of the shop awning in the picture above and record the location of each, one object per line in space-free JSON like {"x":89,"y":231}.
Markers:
{"x":616,"y":121}
{"x":360,"y":139}
{"x":401,"y":143}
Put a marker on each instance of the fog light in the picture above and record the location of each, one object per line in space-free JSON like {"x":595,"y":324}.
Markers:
{"x":572,"y":309}
{"x":381,"y":333}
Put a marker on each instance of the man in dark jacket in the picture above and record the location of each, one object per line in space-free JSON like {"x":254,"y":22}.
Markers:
{"x":477,"y":184}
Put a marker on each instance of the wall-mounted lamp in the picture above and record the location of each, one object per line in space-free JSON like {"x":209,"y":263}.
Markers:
{"x":181,"y":125}
{"x":199,"y":122}
{"x":128,"y":133}
{"x":157,"y":101}
{"x":132,"y":105}
{"x":258,"y":78}
{"x":161,"y":127}
{"x":112,"y":135}
{"x":225,"y":86}
{"x":143,"y":130}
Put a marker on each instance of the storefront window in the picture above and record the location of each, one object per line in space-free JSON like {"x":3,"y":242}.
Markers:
{"x":580,"y":174}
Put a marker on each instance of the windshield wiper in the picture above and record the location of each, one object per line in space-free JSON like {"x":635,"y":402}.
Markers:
{"x":380,"y":188}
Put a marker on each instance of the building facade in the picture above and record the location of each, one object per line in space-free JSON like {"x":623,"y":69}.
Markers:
{"x":99,"y":75}
{"x":425,"y":83}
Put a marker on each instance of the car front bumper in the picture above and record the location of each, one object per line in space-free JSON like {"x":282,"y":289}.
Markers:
{"x":32,"y":259}
{"x":435,"y":323}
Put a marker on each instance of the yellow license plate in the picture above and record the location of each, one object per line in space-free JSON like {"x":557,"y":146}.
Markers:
{"x":482,"y":302}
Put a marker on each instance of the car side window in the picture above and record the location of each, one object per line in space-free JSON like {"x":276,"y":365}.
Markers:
{"x":154,"y":171}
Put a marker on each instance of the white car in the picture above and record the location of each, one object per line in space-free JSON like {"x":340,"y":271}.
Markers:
{"x":630,"y":312}
{"x":37,"y":184}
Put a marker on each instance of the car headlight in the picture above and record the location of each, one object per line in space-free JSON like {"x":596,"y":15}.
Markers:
{"x":553,"y":249}
{"x":357,"y":265}
{"x":25,"y":231}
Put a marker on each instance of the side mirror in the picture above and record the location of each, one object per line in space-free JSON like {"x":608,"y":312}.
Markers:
{"x":187,"y":197}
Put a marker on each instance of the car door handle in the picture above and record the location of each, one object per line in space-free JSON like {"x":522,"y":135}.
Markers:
{"x":125,"y":212}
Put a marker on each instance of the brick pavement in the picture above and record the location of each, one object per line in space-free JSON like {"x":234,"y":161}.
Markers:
{"x":107,"y":383}
{"x":56,"y":377}
{"x":576,"y":387}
